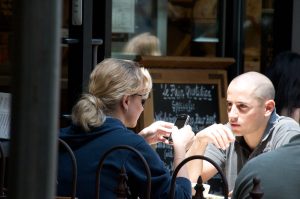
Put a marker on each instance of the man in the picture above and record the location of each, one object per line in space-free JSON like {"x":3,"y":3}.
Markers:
{"x":253,"y":128}
{"x":277,"y":172}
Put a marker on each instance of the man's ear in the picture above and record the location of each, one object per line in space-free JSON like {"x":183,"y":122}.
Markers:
{"x":269,"y":107}
{"x":125,"y":102}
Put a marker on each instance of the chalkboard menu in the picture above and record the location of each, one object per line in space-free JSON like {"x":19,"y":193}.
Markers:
{"x":199,"y":93}
{"x":199,"y":101}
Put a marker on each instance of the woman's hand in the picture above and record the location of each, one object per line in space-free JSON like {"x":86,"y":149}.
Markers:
{"x":182,"y":140}
{"x":183,"y":136}
{"x":158,"y":131}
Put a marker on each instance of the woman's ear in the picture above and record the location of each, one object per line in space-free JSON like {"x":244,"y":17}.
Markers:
{"x":269,"y":107}
{"x":125,"y":102}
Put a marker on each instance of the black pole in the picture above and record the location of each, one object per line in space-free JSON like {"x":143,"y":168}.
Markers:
{"x":234,"y":36}
{"x":35,"y":99}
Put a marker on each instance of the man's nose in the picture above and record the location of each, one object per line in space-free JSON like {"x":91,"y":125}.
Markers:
{"x":233,"y":113}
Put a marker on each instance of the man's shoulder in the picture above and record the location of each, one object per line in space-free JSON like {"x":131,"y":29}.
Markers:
{"x":286,"y":123}
{"x":286,"y":119}
{"x":283,"y":129}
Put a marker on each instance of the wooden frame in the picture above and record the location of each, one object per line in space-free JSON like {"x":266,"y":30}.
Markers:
{"x":184,"y":76}
{"x":179,"y":70}
{"x":186,"y":73}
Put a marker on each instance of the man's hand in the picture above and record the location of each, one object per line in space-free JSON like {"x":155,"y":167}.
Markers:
{"x":218,"y":134}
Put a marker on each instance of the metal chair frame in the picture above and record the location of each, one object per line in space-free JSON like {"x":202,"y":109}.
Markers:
{"x":74,"y":166}
{"x":2,"y":177}
{"x":126,"y":147}
{"x":225,"y":183}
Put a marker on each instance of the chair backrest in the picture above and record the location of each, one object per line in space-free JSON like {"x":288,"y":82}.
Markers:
{"x":122,"y":147}
{"x":225,"y":183}
{"x":74,"y":169}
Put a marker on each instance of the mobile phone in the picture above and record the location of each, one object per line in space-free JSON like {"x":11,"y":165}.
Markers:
{"x":180,"y":122}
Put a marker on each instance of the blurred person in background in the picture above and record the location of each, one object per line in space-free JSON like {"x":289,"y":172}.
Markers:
{"x":277,"y":171}
{"x":285,"y":76}
{"x":143,"y":44}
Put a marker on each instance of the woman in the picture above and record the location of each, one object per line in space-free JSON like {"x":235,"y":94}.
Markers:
{"x":101,"y":118}
{"x":284,"y":74}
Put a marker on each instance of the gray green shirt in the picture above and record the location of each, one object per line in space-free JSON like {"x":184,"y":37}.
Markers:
{"x":278,"y":172}
{"x":279,"y":131}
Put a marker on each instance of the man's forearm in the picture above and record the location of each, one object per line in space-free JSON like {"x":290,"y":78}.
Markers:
{"x":195,"y":166}
{"x":179,"y":155}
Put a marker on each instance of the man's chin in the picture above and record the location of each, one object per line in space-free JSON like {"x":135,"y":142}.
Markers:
{"x":237,"y":133}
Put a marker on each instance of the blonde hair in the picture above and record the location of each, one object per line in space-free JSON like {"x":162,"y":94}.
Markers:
{"x":109,"y":82}
{"x":143,"y":44}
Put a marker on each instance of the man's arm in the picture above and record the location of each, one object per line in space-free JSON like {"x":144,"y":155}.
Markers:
{"x":217,"y":134}
{"x":199,"y":167}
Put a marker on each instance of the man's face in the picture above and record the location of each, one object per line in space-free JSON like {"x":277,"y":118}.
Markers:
{"x":246,"y":113}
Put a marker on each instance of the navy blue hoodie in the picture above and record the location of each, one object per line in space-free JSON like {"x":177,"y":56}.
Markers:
{"x":89,"y":147}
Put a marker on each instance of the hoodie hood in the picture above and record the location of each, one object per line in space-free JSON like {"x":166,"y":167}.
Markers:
{"x":75,"y":136}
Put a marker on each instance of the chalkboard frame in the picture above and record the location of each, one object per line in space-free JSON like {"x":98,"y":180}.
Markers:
{"x":188,"y":76}
{"x":185,"y":70}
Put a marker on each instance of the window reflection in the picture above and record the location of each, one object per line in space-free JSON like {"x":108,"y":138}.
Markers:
{"x":205,"y":37}
{"x":132,"y":21}
{"x":143,"y":44}
{"x":258,"y":30}
{"x":191,"y":28}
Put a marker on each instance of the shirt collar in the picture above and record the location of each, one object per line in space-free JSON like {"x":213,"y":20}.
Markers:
{"x":274,"y":117}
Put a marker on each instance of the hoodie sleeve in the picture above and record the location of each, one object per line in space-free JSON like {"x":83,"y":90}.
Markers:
{"x":160,"y":176}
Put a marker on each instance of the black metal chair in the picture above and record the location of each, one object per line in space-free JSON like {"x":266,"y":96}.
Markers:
{"x":3,"y":190}
{"x":74,"y":168}
{"x":122,"y":189}
{"x":199,"y":186}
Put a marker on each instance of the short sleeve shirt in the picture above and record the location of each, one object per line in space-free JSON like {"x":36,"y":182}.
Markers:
{"x":279,"y":131}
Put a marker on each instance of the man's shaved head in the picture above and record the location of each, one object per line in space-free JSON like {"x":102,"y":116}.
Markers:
{"x":259,"y":84}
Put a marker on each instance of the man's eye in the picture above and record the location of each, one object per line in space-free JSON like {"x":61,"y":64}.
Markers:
{"x":229,"y":106}
{"x":242,"y":106}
